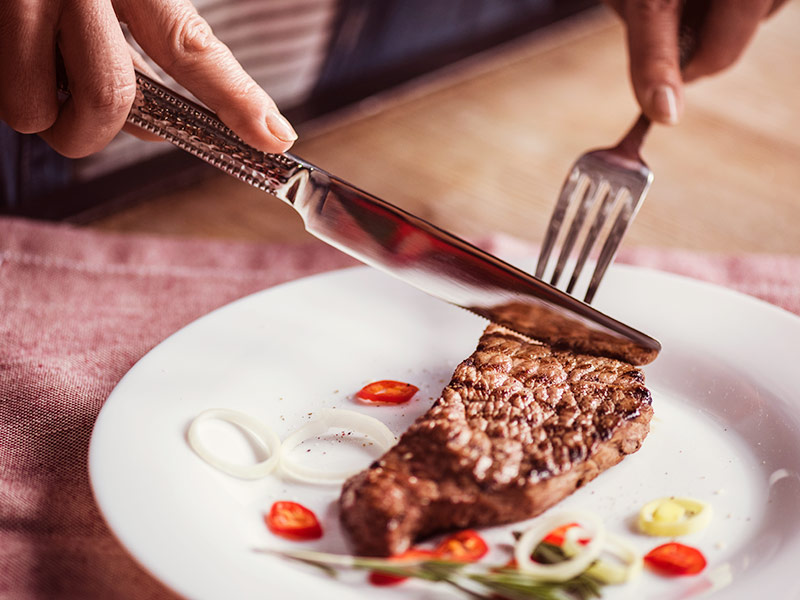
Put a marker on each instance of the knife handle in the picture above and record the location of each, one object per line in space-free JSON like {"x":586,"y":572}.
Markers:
{"x":199,"y":131}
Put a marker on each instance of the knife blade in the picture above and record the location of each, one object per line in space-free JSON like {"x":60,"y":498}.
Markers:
{"x":389,"y":238}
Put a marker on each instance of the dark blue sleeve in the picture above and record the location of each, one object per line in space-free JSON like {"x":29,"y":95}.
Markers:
{"x":29,"y":169}
{"x":387,"y":41}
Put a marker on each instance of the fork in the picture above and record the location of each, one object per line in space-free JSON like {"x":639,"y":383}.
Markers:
{"x":601,"y":180}
{"x":607,"y":186}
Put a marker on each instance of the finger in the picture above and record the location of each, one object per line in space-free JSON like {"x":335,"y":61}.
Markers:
{"x":28,"y":98}
{"x":654,"y":58}
{"x":181,"y":42}
{"x":141,"y":65}
{"x":728,"y":28}
{"x":101,"y":82}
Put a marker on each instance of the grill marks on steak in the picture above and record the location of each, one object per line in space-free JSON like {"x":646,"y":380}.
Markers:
{"x":519,"y":427}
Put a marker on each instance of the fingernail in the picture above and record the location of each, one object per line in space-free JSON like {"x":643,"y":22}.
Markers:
{"x":665,"y":104}
{"x":280,"y":127}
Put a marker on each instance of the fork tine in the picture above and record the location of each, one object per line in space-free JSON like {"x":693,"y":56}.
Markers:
{"x":556,"y":220}
{"x":610,"y":198}
{"x":611,"y":245}
{"x":624,"y":180}
{"x":590,"y":194}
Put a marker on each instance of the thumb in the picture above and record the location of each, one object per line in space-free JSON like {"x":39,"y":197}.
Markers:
{"x":654,"y":58}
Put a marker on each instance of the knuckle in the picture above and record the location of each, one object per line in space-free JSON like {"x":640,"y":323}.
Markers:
{"x":190,"y":35}
{"x":242,"y":88}
{"x":112,"y":97}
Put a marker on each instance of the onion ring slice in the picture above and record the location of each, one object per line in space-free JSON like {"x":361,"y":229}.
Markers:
{"x":574,"y":565}
{"x":263,"y":434}
{"x":345,"y":419}
{"x":612,"y":573}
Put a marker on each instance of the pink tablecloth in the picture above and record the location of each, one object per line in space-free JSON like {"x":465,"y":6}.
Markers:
{"x":79,"y":308}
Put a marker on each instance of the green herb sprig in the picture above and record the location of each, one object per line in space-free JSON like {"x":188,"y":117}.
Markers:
{"x":475,"y":581}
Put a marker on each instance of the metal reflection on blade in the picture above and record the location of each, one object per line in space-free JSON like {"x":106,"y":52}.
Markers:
{"x":450,"y":268}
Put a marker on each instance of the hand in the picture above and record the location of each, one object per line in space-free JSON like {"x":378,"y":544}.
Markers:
{"x":652,"y":27}
{"x":99,"y":65}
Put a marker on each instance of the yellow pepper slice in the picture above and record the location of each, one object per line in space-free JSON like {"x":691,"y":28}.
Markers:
{"x":673,"y":516}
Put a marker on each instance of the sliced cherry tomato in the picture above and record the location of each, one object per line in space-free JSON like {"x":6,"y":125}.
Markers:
{"x":676,"y":559}
{"x":378,"y":578}
{"x":293,"y":521}
{"x":465,"y":546}
{"x":387,"y":392}
{"x":558,"y":535}
{"x":385,"y":579}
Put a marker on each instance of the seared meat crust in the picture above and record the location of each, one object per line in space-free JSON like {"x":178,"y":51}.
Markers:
{"x":519,"y":427}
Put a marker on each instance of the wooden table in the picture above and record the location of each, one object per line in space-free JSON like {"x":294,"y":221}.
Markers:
{"x":485,"y":145}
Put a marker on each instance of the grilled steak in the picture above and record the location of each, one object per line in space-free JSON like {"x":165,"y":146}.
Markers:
{"x":540,"y":322}
{"x":519,"y":427}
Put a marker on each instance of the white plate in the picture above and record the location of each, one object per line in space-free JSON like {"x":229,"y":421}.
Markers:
{"x":725,"y":392}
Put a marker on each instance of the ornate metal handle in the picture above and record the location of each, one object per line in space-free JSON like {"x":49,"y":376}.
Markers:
{"x":198,"y":131}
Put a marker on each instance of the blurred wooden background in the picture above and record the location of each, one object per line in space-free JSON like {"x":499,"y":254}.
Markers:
{"x":484,"y":146}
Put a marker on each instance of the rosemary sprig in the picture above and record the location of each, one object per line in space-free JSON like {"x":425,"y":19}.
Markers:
{"x":583,"y":585}
{"x":488,"y":583}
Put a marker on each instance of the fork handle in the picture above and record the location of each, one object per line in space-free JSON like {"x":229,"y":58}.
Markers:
{"x":693,"y":16}
{"x":631,"y":143}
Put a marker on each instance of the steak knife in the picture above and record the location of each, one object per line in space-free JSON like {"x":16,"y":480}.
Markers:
{"x":389,"y":238}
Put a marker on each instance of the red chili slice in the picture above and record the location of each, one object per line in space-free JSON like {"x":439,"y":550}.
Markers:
{"x":465,"y":546}
{"x":387,"y":392}
{"x":384,"y":579}
{"x":675,"y":559}
{"x":511,"y":564}
{"x":293,"y":521}
{"x":558,"y":535}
